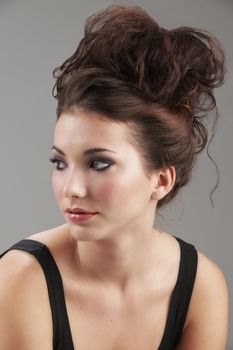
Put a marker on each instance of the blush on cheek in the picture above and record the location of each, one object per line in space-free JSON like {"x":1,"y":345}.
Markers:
{"x":112,"y":196}
{"x":106,"y":195}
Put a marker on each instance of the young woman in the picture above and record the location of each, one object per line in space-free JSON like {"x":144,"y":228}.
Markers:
{"x":132,"y":102}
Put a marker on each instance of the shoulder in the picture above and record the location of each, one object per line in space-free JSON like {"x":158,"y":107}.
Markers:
{"x":56,"y":238}
{"x":210,"y":285}
{"x":19,"y":267}
{"x":21,"y":271}
{"x":16,"y":267}
{"x":24,"y":303}
{"x":207,"y":320}
{"x":208,"y":268}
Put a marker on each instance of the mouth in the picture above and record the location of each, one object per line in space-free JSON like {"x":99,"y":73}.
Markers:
{"x":78,"y":217}
{"x":79,"y":211}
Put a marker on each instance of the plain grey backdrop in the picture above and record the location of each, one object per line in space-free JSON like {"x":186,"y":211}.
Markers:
{"x":35,"y":37}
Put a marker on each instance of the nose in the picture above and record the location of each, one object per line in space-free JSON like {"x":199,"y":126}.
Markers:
{"x":74,"y":185}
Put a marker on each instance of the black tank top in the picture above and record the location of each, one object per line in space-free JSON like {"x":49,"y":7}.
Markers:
{"x":180,"y":298}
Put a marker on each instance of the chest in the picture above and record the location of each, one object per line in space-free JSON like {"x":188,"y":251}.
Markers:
{"x":105,"y":322}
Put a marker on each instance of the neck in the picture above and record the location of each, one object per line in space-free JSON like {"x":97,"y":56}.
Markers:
{"x":121,"y":261}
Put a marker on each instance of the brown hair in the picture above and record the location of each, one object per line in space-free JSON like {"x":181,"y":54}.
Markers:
{"x":131,"y":70}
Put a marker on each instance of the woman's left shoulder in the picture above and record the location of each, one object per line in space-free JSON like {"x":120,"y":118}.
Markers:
{"x":209,"y":274}
{"x":207,"y":320}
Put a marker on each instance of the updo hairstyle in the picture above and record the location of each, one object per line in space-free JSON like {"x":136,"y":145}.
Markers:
{"x":160,"y":82}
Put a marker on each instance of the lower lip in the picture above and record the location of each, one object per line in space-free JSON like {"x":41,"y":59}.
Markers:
{"x":79,"y":217}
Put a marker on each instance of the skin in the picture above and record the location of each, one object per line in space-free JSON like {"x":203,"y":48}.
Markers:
{"x":115,"y":245}
{"x":116,"y":267}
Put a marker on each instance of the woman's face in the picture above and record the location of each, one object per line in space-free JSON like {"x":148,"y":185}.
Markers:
{"x":111,"y":182}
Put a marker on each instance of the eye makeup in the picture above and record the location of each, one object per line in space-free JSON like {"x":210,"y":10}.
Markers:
{"x":57,"y":160}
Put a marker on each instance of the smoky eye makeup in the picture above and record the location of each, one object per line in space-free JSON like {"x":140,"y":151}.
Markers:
{"x":57,"y":161}
{"x":97,"y":163}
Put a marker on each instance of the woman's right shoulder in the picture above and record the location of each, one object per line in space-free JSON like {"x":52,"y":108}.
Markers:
{"x":17,"y":261}
{"x":24,"y":304}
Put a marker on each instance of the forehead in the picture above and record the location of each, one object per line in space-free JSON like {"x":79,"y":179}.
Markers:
{"x":85,"y":128}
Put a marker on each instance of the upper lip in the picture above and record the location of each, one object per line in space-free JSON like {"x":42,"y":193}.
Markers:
{"x":78,"y":210}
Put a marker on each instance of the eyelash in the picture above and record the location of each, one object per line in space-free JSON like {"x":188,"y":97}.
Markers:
{"x":56,"y":161}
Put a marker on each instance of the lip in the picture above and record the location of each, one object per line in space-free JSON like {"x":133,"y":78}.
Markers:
{"x":74,"y":217}
{"x":79,"y":211}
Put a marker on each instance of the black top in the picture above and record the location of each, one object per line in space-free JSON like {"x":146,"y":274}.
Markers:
{"x":181,"y":295}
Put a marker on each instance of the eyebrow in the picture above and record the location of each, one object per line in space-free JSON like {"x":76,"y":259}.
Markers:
{"x":88,"y":151}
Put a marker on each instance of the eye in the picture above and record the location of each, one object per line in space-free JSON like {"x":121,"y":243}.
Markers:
{"x":100,"y":162}
{"x":97,"y":164}
{"x":57,"y":161}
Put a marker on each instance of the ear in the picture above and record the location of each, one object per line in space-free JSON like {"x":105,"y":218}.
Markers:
{"x":164,"y":180}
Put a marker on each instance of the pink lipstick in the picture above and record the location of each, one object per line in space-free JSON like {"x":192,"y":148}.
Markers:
{"x":78,"y":214}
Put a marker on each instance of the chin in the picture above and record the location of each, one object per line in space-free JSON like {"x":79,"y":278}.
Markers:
{"x":83,"y":234}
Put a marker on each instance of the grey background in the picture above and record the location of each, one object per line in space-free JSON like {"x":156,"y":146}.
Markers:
{"x":36,"y":36}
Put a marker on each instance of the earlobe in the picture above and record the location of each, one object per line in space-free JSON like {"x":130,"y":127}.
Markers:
{"x":165,"y":179}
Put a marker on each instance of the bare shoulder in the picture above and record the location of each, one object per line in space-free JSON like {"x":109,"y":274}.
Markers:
{"x":210,"y":286}
{"x":54,"y":238}
{"x":207,"y":320}
{"x":208,"y":275}
{"x":25,"y":321}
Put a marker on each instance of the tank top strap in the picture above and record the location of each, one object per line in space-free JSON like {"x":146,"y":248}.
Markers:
{"x":62,"y":338}
{"x":181,"y":295}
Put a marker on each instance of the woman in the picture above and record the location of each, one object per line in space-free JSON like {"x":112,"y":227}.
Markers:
{"x":130,"y":123}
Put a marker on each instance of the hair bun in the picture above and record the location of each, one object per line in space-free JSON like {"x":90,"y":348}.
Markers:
{"x":174,"y":68}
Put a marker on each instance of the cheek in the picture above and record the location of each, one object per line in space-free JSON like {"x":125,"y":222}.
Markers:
{"x":57,"y":188}
{"x":120,"y":193}
{"x":106,"y":193}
